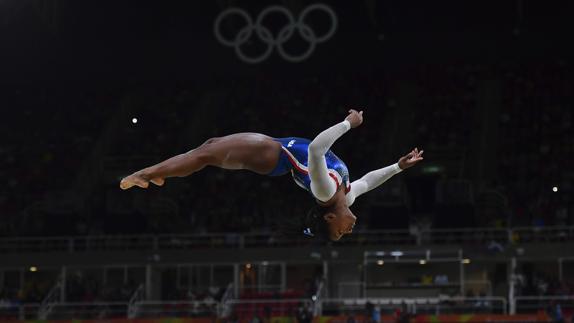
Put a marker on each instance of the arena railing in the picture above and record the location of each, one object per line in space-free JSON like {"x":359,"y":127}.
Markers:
{"x":465,"y":235}
{"x":248,"y":308}
{"x":18,"y":311}
{"x":422,"y":305}
{"x":62,"y":311}
{"x":532,"y":304}
{"x":276,"y":307}
{"x":158,"y":309}
{"x":258,"y":240}
{"x":543,"y":234}
{"x":65,"y":311}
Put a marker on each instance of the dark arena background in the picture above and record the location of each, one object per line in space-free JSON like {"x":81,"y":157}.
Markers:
{"x":481,"y":230}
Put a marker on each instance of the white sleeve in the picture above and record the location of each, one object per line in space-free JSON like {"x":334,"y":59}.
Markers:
{"x":370,"y":181}
{"x":323,"y":186}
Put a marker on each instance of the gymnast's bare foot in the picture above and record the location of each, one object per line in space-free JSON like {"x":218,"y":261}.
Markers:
{"x":138,"y":179}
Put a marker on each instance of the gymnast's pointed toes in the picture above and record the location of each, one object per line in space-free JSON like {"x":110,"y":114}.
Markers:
{"x":133,"y":180}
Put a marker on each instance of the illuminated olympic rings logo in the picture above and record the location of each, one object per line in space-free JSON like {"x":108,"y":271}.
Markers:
{"x":284,"y":34}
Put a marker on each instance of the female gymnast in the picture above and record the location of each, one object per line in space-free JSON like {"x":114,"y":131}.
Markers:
{"x":313,"y":166}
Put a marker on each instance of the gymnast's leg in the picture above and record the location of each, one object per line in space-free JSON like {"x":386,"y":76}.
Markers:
{"x":251,"y":151}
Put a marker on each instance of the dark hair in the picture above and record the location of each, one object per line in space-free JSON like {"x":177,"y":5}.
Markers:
{"x":309,"y":226}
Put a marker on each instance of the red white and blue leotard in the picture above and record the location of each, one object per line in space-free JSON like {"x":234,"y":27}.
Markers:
{"x":318,"y":170}
{"x":294,"y":159}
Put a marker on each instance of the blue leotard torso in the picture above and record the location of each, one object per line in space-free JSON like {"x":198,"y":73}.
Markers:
{"x":293,"y":159}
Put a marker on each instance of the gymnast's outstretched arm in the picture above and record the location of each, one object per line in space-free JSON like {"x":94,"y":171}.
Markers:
{"x":322,"y":186}
{"x":375,"y":178}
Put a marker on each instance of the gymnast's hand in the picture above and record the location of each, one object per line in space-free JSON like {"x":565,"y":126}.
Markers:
{"x":355,"y":118}
{"x":411,"y":159}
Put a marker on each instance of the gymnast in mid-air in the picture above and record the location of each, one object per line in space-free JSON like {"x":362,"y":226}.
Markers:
{"x":312,"y":164}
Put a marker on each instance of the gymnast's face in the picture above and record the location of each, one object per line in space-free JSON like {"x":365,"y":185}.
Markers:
{"x":340,"y":223}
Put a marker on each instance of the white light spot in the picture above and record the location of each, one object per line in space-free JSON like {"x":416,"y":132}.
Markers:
{"x":33,"y":269}
{"x":380,"y":262}
{"x":134,"y":120}
{"x":422,"y":261}
{"x":555,"y":189}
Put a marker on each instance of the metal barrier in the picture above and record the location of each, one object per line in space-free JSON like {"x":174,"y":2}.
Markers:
{"x":150,"y":309}
{"x":273,"y":307}
{"x":19,"y":312}
{"x":554,"y":234}
{"x":66,"y":311}
{"x":532,"y":304}
{"x":288,"y":307}
{"x":467,"y":236}
{"x":435,"y":306}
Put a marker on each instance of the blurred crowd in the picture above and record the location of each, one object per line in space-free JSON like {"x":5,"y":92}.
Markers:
{"x":74,"y":145}
{"x":49,"y":133}
{"x":537,"y":143}
{"x":538,"y":283}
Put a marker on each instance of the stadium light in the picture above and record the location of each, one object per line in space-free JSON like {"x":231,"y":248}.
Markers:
{"x":555,"y":189}
{"x":380,"y":262}
{"x":33,"y":269}
{"x":466,"y":261}
{"x":422,"y":262}
{"x":134,"y":120}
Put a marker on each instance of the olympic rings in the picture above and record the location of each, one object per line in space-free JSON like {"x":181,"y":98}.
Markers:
{"x":266,"y":36}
